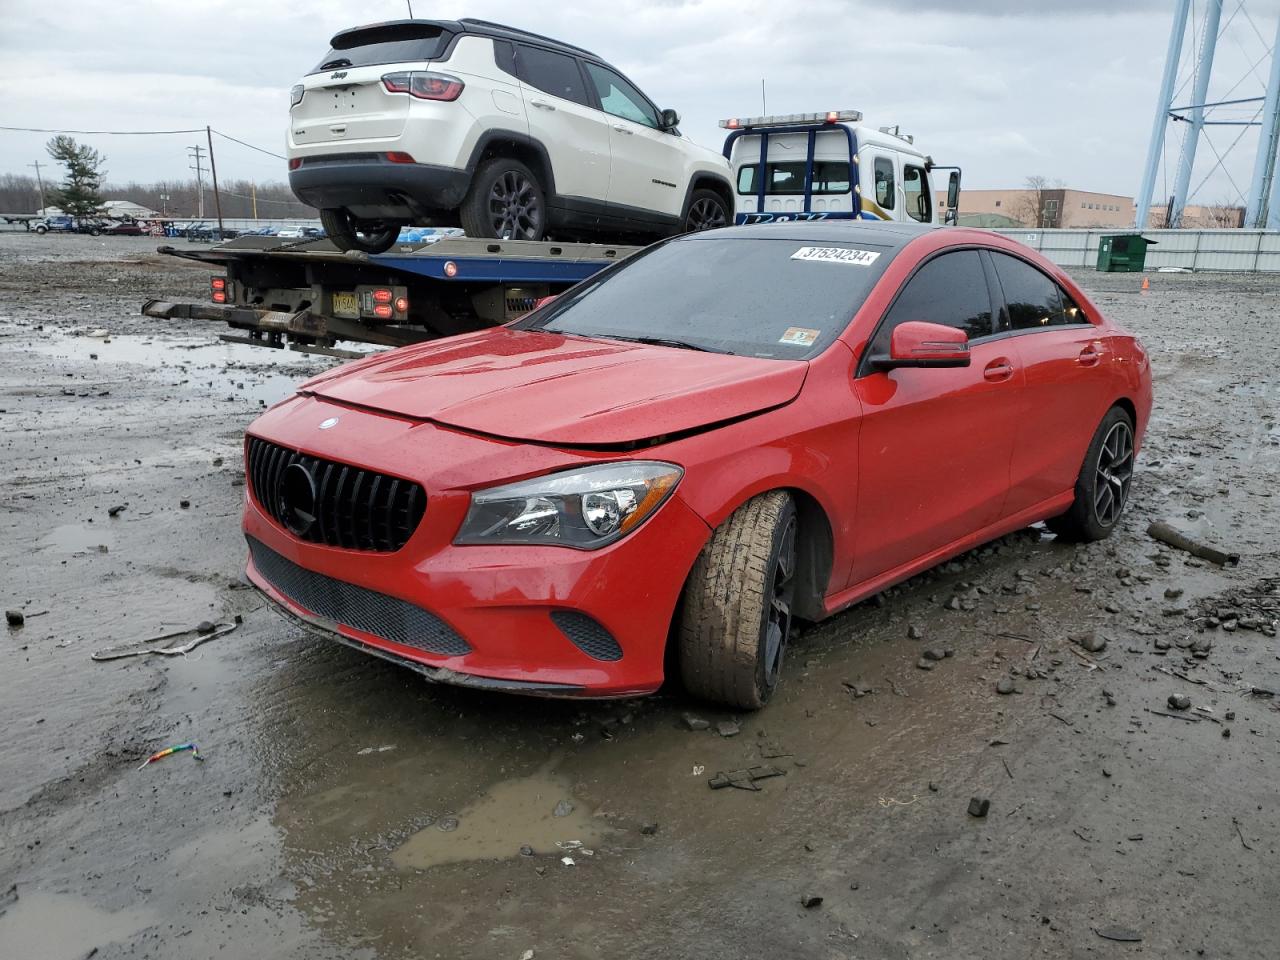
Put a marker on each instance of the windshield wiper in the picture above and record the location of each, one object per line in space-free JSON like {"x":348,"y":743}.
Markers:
{"x":666,"y":342}
{"x":340,"y":62}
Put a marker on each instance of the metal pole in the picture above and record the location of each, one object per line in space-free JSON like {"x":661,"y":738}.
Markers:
{"x":213,"y":172}
{"x":1273,"y":206}
{"x":1156,"y":145}
{"x":1264,"y":161}
{"x":1204,"y":67}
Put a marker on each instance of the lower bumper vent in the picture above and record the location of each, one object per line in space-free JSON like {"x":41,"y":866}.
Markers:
{"x":587,"y":635}
{"x":365,"y":610}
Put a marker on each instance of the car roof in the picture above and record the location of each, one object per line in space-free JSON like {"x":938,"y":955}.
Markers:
{"x":879,"y":232}
{"x":468,"y":25}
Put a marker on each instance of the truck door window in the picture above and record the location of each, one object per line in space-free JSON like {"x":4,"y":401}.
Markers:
{"x":884,"y":183}
{"x":553,"y":73}
{"x":619,"y":98}
{"x":919,"y":203}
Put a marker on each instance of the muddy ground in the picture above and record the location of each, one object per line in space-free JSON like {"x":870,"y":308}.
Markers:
{"x":345,"y":809}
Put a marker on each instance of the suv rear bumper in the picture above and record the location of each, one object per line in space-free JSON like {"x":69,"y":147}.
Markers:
{"x":368,"y":185}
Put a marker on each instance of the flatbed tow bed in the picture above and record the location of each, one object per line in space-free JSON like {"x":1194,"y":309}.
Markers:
{"x":308,"y":296}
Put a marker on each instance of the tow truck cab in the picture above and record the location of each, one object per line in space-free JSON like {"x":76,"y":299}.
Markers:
{"x":829,"y":166}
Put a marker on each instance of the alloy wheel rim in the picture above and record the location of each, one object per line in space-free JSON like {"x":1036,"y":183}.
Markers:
{"x":514,"y":207}
{"x":706,"y":214}
{"x":1114,"y":474}
{"x":781,"y":593}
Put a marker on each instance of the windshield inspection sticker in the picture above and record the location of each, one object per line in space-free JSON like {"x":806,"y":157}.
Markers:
{"x":799,"y":337}
{"x":858,"y":258}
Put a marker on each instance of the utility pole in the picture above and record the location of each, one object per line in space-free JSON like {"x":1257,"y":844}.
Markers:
{"x":197,"y":153}
{"x":39,"y":180}
{"x":213,"y":169}
{"x":253,"y":192}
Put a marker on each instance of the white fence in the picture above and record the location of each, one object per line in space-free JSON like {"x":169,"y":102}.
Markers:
{"x":1247,"y":251}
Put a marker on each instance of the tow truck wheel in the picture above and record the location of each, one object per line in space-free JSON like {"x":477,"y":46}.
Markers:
{"x":706,"y":212}
{"x":42,"y":229}
{"x":367,"y":236}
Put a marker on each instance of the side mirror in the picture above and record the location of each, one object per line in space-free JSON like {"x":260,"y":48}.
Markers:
{"x":670,"y":119}
{"x":953,"y":189}
{"x":920,"y":344}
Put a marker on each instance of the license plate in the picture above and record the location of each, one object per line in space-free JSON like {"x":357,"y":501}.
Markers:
{"x":346,"y":305}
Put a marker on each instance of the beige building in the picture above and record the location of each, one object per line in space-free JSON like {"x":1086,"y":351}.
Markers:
{"x":1049,"y":207}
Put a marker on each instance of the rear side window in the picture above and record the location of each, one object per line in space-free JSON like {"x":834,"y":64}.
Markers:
{"x":552,"y":73}
{"x":951,"y":290}
{"x":504,"y":56}
{"x":1033,"y":299}
{"x":391,"y":43}
{"x":884,"y":183}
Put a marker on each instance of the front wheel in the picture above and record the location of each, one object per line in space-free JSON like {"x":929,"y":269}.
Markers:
{"x":42,"y":229}
{"x":707,"y":211}
{"x":737,"y":605}
{"x":1102,"y":489}
{"x":367,"y":236}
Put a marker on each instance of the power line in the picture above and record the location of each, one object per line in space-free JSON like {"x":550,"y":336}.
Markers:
{"x":227,"y":136}
{"x":105,"y":133}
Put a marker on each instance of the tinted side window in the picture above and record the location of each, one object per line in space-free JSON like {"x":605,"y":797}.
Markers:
{"x":951,"y":290}
{"x":553,"y":73}
{"x":885,"y":191}
{"x":619,"y":98}
{"x":1032,"y":298}
{"x":504,"y":56}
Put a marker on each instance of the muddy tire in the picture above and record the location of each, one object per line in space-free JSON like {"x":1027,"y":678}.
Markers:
{"x":1102,"y":489}
{"x":504,"y":202}
{"x":707,"y":211}
{"x":348,"y":234}
{"x":737,"y":605}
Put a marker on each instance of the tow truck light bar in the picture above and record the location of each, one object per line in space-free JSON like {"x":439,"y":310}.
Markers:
{"x":792,"y":119}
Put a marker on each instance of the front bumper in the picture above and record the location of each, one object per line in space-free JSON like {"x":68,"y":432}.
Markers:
{"x":532,"y":619}
{"x":370,"y":186}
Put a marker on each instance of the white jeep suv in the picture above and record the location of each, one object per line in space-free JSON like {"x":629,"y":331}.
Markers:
{"x":507,"y":133}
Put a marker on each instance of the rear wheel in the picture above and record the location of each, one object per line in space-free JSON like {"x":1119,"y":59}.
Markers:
{"x":505,"y":202}
{"x":707,"y":211}
{"x":1102,"y":489}
{"x":369,"y":236}
{"x":737,"y":605}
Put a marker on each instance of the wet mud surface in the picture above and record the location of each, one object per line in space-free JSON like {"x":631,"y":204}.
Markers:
{"x":342,"y":808}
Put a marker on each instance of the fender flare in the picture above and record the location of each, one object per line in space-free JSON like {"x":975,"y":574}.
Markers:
{"x":500,"y":135}
{"x":704,"y":175}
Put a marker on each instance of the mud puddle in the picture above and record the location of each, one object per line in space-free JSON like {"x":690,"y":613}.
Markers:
{"x":59,"y":927}
{"x":76,"y":538}
{"x":512,"y":814}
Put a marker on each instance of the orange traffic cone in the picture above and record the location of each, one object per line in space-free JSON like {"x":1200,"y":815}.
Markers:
{"x":1146,"y":284}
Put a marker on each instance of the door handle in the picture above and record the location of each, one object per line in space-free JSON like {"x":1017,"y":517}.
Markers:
{"x":621,"y":129}
{"x":998,"y":370}
{"x":542,"y":104}
{"x":1089,"y":356}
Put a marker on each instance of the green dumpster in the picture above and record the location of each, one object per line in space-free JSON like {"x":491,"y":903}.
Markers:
{"x":1122,"y":253}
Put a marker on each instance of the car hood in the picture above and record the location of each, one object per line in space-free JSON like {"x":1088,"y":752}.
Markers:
{"x":558,"y":389}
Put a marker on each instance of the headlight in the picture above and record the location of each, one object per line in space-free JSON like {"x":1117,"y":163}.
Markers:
{"x":584,"y":508}
{"x":295,"y":94}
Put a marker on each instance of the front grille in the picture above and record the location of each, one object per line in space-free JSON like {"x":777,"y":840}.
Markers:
{"x":365,"y":610}
{"x":587,"y":635}
{"x":353,"y":508}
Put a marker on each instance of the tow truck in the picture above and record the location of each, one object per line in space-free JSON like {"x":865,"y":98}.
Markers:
{"x":307,"y":296}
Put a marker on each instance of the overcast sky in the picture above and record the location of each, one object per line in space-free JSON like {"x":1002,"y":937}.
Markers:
{"x":1006,"y":88}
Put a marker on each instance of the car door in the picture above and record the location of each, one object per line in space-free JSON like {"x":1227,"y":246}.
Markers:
{"x":882,"y":199}
{"x":1067,"y":388}
{"x":648,"y":168}
{"x":575,"y":134}
{"x":935,"y":443}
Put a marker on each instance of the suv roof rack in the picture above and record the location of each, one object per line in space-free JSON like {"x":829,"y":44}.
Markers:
{"x":501,"y":29}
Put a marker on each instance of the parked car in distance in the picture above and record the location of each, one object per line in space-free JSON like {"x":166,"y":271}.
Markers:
{"x":507,"y":133}
{"x":720,"y":434}
{"x":124,"y":228}
{"x":210,"y":233}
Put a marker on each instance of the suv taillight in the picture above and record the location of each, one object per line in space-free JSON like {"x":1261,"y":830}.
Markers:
{"x":295,"y":94}
{"x":424,"y":85}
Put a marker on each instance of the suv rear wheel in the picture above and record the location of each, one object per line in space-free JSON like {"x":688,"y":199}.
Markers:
{"x":505,"y":202}
{"x":349,"y":234}
{"x":706,"y":212}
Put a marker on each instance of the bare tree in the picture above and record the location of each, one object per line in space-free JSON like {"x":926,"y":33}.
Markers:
{"x":1029,"y":207}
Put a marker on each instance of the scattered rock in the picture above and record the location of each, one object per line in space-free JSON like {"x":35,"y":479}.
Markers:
{"x":205,"y":626}
{"x":184,"y":504}
{"x":526,"y":851}
{"x":1092,"y":641}
{"x":448,"y":825}
{"x":809,"y":901}
{"x":648,"y":829}
{"x":953,"y":603}
{"x":15,"y":618}
{"x":1173,"y":593}
{"x":696,"y":723}
{"x":116,"y":510}
{"x":924,"y":664}
{"x":914,"y":633}
{"x":1179,"y":701}
{"x":936,"y":653}
{"x":1005,"y":686}
{"x":563,"y":808}
{"x":978,"y":807}
{"x":727,"y":728}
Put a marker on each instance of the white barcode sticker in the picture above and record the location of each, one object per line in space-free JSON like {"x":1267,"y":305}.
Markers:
{"x":858,"y":258}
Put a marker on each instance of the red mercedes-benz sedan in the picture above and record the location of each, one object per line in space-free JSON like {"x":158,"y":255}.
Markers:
{"x":725,"y":431}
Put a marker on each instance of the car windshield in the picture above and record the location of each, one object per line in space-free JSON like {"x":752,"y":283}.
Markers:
{"x":777,"y":298}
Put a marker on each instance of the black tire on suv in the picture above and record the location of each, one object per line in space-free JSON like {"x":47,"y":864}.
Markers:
{"x":505,"y":202}
{"x":706,"y":212}
{"x":349,"y":234}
